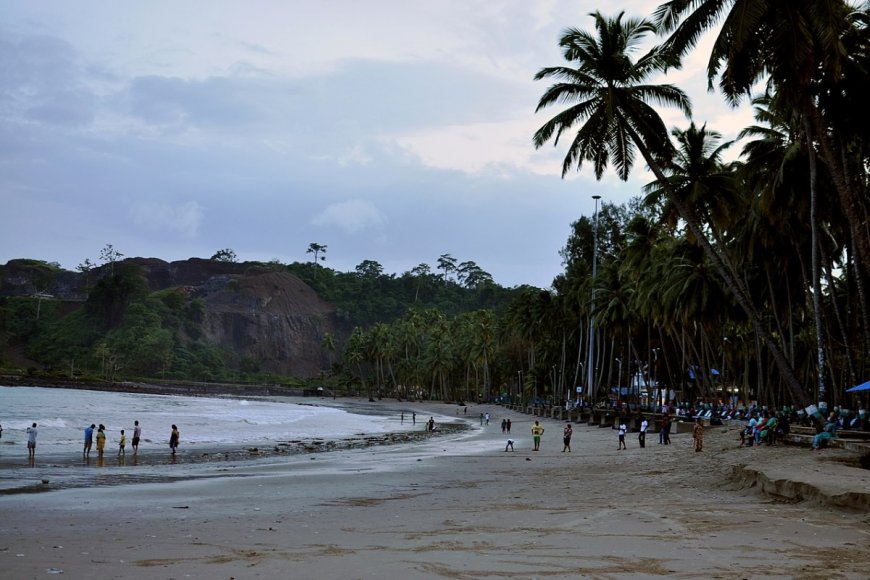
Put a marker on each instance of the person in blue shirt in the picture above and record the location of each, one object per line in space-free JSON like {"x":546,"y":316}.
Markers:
{"x":89,"y":440}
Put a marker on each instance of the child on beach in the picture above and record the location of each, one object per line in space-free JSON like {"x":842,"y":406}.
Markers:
{"x":622,"y":429}
{"x":122,"y":449}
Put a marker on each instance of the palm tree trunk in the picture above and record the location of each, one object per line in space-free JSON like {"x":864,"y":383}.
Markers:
{"x":728,"y":273}
{"x":817,"y":286}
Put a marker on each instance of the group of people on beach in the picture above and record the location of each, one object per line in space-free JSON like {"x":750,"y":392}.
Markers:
{"x":94,"y":433}
{"x":101,"y":440}
{"x":620,"y":425}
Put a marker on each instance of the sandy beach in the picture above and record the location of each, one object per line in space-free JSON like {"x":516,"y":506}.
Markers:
{"x":459,"y":506}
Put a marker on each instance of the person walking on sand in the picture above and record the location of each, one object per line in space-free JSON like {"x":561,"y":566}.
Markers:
{"x":137,"y":433}
{"x":481,"y":419}
{"x":31,"y":443}
{"x":665,"y":432}
{"x":508,"y":425}
{"x":486,"y":419}
{"x":89,"y":439}
{"x":504,"y":426}
{"x":566,"y":437}
{"x":122,"y":445}
{"x":641,"y":437}
{"x":101,"y":441}
{"x":173,"y":439}
{"x":622,"y":429}
{"x":698,"y":434}
{"x":413,"y":418}
{"x":537,"y":431}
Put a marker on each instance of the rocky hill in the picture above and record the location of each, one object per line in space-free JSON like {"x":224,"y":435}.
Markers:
{"x":260,"y":313}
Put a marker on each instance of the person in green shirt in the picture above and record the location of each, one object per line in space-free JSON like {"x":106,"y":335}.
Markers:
{"x":537,"y":431}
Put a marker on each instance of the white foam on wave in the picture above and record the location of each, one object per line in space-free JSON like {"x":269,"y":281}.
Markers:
{"x":63,"y":414}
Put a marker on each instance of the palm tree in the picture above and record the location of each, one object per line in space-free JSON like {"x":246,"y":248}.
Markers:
{"x":611,"y":103}
{"x":804,"y":51}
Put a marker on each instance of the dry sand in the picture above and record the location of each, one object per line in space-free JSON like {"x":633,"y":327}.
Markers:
{"x":462,"y":507}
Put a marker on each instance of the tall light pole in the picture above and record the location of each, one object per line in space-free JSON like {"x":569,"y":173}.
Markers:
{"x":590,"y":361}
{"x":655,"y":379}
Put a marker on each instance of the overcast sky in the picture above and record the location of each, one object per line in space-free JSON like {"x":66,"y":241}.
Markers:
{"x":393,"y":131}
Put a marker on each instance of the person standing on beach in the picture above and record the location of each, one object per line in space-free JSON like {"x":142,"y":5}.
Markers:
{"x":486,"y":419}
{"x":413,"y":418}
{"x":430,"y":425}
{"x":622,"y":429}
{"x":508,"y":425}
{"x":173,"y":439}
{"x":101,"y":441}
{"x":137,"y":433}
{"x":698,"y":434}
{"x":504,"y":426}
{"x":481,"y":419}
{"x":122,"y":445}
{"x":89,"y":439}
{"x":537,"y":431}
{"x":402,"y":418}
{"x":665,"y":431}
{"x":566,"y":437}
{"x":31,"y":443}
{"x":641,"y":437}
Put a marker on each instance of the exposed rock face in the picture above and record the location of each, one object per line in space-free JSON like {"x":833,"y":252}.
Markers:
{"x":269,"y":316}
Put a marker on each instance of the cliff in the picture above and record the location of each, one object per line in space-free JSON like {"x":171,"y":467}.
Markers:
{"x":262,"y":314}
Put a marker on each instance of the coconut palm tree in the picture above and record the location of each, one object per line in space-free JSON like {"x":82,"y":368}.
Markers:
{"x":609,"y":100}
{"x":806,"y":52}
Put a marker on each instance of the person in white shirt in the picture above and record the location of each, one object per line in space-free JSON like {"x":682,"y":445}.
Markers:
{"x":31,"y":443}
{"x":622,"y":430}
{"x":644,"y":425}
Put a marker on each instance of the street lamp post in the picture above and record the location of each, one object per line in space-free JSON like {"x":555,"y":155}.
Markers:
{"x":655,"y":377}
{"x":591,"y":358}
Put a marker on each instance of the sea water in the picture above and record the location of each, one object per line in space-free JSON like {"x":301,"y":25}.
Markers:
{"x":62,"y":415}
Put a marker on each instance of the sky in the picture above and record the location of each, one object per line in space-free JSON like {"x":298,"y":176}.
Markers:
{"x":392,"y":131}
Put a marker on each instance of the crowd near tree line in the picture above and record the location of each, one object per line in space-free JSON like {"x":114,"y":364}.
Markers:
{"x":743,"y":280}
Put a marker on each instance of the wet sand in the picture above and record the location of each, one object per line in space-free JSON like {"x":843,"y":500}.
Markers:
{"x":459,"y":506}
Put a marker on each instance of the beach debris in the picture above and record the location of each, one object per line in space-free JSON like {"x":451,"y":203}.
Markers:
{"x":180,"y":507}
{"x":54,"y":571}
{"x":45,"y":482}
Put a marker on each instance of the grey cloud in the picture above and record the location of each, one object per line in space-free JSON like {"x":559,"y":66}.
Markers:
{"x":213,"y":101}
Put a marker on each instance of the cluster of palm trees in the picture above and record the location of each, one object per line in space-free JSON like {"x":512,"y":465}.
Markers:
{"x":774,"y":249}
{"x":423,"y":355}
{"x":745,"y":278}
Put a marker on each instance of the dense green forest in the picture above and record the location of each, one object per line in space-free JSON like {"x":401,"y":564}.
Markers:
{"x":124,"y":331}
{"x":742,"y":280}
